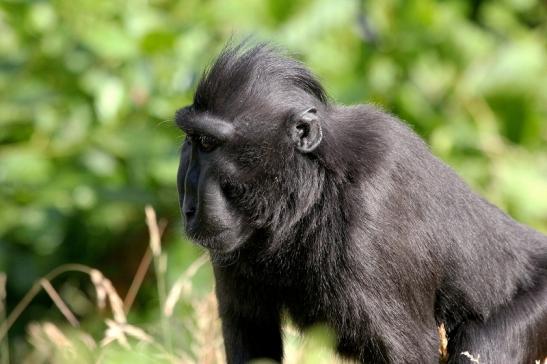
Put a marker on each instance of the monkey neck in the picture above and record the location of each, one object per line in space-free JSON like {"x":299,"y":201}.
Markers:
{"x":314,"y":244}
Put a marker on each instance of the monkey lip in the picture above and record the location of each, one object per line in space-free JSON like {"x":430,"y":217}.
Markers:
{"x":214,"y":240}
{"x":220,"y":241}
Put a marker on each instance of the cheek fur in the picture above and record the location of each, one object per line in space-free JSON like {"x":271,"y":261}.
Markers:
{"x":215,"y":210}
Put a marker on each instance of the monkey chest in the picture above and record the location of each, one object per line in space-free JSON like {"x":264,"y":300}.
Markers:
{"x":306,"y":307}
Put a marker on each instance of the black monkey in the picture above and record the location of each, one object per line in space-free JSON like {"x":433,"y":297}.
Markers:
{"x":341,"y":215}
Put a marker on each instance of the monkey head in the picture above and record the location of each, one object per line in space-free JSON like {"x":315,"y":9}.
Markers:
{"x":250,"y":160}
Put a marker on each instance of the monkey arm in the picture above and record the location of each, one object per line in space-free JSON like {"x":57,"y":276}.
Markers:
{"x":250,"y":320}
{"x":247,"y":339}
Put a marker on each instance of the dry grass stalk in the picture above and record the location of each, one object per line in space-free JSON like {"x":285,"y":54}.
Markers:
{"x":160,"y":266}
{"x":49,"y":341}
{"x":61,"y":305}
{"x":4,"y":348}
{"x":119,"y":332}
{"x":116,"y":303}
{"x":153,"y":228}
{"x":443,"y":343}
{"x":34,"y":290}
{"x":97,"y":278}
{"x":208,"y":343}
{"x":56,"y":336}
{"x":105,"y":290}
{"x":37,"y":339}
{"x":43,"y":336}
{"x":43,"y":348}
{"x":471,"y":357}
{"x":183,"y":285}
{"x":87,"y":340}
{"x":3,"y":279}
{"x":140,"y":274}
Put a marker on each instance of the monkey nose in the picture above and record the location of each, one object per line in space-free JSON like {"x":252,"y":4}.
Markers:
{"x":188,"y":208}
{"x":189,"y":212}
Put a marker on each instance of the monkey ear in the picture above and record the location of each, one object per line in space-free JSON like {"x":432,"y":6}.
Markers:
{"x":306,"y":131}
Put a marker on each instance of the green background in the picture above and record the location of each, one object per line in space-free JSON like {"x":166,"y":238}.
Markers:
{"x":88,"y":90}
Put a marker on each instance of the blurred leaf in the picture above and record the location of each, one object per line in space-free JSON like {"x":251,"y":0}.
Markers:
{"x":109,"y":41}
{"x":88,"y":90}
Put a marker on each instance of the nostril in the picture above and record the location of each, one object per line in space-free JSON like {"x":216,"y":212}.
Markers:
{"x":189,"y":212}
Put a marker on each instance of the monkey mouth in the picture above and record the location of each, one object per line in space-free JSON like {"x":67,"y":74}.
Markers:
{"x":221,"y":241}
{"x":213,"y":240}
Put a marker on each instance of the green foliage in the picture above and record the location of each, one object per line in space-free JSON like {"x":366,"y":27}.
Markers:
{"x":88,"y":90}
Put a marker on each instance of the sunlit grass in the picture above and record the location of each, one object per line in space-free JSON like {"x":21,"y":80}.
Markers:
{"x":126,"y":342}
{"x":121,"y":341}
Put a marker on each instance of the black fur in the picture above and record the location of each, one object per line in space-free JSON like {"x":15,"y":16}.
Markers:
{"x":368,"y":233}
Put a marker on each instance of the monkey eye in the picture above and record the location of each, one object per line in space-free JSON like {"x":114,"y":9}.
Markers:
{"x":206,"y":143}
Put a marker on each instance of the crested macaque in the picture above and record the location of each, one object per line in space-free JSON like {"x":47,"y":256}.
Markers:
{"x":341,"y":215}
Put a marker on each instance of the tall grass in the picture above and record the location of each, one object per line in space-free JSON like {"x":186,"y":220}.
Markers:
{"x":124,"y":342}
{"x":121,"y":341}
{"x":4,"y":348}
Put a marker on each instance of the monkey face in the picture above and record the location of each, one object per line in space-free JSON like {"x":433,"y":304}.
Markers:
{"x":210,"y":219}
{"x":248,"y":162}
{"x":231,"y":174}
